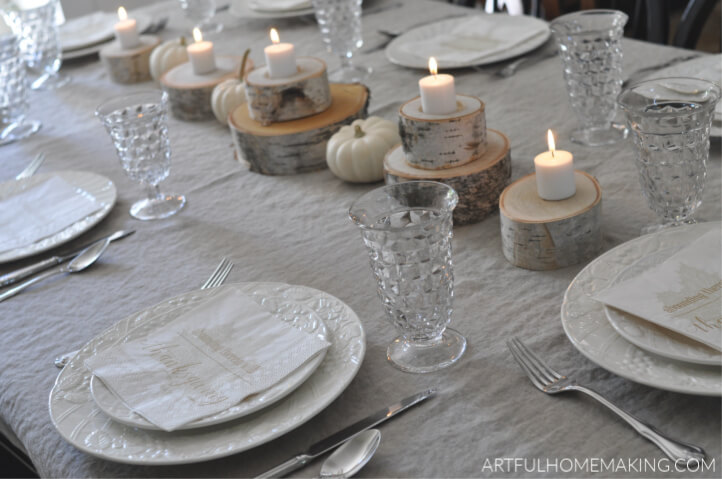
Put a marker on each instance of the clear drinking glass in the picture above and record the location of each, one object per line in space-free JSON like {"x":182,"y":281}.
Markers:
{"x":200,"y":13}
{"x":340,"y":24}
{"x":41,"y":45}
{"x":590,"y":46}
{"x":670,"y":119}
{"x":407,"y":228}
{"x":13,"y":93}
{"x":137,"y":124}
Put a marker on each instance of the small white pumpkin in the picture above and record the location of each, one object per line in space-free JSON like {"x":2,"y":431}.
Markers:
{"x":356,"y":152}
{"x":230,"y":94}
{"x":166,"y":56}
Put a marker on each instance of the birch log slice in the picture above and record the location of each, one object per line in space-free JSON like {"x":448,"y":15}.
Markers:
{"x":272,"y":100}
{"x":542,"y":235}
{"x":131,"y":65}
{"x":189,"y":94}
{"x":296,"y":146}
{"x":443,"y":141}
{"x":478,"y":183}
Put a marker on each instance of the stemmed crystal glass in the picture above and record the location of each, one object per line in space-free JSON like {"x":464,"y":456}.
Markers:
{"x":590,"y":46}
{"x":200,"y":13}
{"x":13,"y":92}
{"x":340,"y":25}
{"x":670,"y":119}
{"x":137,"y":124}
{"x":41,"y":45}
{"x":407,"y":228}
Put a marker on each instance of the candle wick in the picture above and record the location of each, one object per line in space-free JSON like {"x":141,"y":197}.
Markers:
{"x":553,"y":155}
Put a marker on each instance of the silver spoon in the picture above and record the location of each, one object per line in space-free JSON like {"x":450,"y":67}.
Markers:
{"x":86,"y":257}
{"x":348,"y":459}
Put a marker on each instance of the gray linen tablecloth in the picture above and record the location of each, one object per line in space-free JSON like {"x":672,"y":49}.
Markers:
{"x":295,"y":229}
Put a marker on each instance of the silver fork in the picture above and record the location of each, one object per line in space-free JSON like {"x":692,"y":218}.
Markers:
{"x":217,"y":278}
{"x":32,"y":167}
{"x":551,"y":382}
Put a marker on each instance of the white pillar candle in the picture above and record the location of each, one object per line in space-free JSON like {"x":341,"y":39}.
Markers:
{"x":438,"y":95}
{"x":125,"y":31}
{"x":280,"y":57}
{"x":554,"y":173}
{"x":201,"y":54}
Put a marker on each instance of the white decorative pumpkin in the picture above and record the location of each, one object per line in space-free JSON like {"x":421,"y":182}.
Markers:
{"x":356,"y":152}
{"x":166,"y":56}
{"x":230,"y":94}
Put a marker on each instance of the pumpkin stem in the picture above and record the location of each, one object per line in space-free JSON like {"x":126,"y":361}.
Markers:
{"x":358,"y":132}
{"x":242,"y":72}
{"x":183,"y":41}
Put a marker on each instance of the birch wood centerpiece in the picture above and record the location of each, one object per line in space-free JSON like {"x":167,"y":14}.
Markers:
{"x":478,"y":183}
{"x":272,"y":100}
{"x":539,"y":234}
{"x":296,"y":146}
{"x":434,"y":142}
{"x":189,"y":94}
{"x":130,"y":65}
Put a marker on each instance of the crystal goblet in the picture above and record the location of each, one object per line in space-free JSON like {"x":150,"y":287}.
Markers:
{"x":41,"y":45}
{"x":13,"y":93}
{"x":137,"y":124}
{"x":590,"y":46}
{"x":340,"y":25}
{"x":200,"y":13}
{"x":407,"y":228}
{"x":670,"y":119}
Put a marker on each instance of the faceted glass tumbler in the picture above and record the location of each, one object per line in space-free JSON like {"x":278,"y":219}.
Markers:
{"x":13,"y":93}
{"x":201,"y":13}
{"x":590,"y":46}
{"x":340,"y":25}
{"x":138,"y":125}
{"x":407,"y":228}
{"x":670,"y":120}
{"x":41,"y":45}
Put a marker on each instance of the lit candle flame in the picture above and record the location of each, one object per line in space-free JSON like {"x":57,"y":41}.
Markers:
{"x":197,"y":35}
{"x":122,"y":14}
{"x":274,"y":36}
{"x":433,"y":67}
{"x":550,"y":141}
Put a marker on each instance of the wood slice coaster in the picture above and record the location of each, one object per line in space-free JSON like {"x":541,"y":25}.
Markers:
{"x":542,"y":235}
{"x":282,"y":99}
{"x":296,"y":146}
{"x":189,"y":94}
{"x":478,"y":183}
{"x":434,"y":142}
{"x":132,"y":65}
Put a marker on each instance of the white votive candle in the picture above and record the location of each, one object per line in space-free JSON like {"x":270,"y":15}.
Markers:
{"x":280,"y":57}
{"x":201,"y":54}
{"x":554,"y":173}
{"x":126,"y":31}
{"x":438,"y":95}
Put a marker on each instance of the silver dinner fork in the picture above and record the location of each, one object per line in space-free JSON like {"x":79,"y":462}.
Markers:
{"x":217,"y":278}
{"x":551,"y":382}
{"x":32,"y":167}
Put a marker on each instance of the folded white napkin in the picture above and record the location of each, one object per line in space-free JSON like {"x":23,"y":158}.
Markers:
{"x":279,"y":5}
{"x":473,"y":39}
{"x":684,"y":293}
{"x":205,"y":361}
{"x":41,"y":211}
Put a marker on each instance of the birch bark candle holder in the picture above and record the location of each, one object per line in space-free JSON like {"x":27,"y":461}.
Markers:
{"x":478,"y":183}
{"x":304,"y":94}
{"x":543,"y":235}
{"x":189,"y":94}
{"x":296,"y":146}
{"x":131,"y":65}
{"x":435,"y":142}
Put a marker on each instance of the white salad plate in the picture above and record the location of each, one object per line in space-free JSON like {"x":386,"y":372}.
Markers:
{"x":80,"y":421}
{"x":396,"y":53}
{"x":298,"y":315}
{"x":585,"y":322}
{"x":78,"y":42}
{"x":85,"y":183}
{"x":242,"y":9}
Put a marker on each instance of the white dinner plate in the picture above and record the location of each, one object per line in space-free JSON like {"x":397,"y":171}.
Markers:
{"x":87,"y":30}
{"x":242,"y":9}
{"x":87,"y":47}
{"x":654,"y":338}
{"x":298,"y":315}
{"x":99,"y":187}
{"x":396,"y":53}
{"x":80,"y":422}
{"x":586,"y":325}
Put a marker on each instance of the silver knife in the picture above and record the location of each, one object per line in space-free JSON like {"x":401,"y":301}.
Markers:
{"x":340,"y":437}
{"x":18,"y":274}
